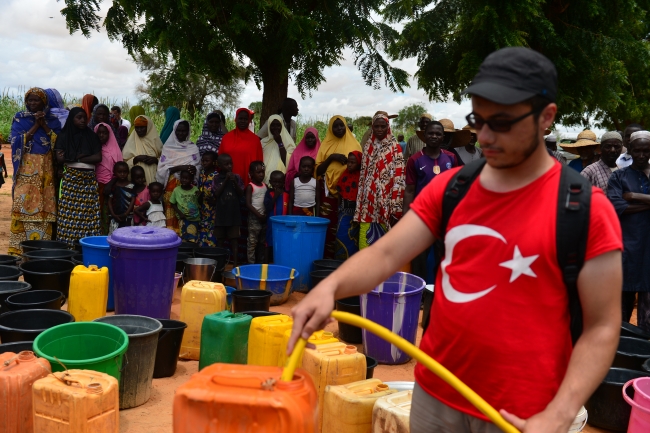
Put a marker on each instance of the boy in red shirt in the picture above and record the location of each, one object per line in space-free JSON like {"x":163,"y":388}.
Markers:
{"x":500,"y":317}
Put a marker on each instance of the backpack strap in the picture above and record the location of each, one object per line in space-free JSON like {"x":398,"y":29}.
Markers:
{"x":571,"y":234}
{"x":457,"y":188}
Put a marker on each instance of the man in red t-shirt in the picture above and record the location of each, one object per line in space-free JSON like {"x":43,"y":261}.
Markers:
{"x":500,"y":317}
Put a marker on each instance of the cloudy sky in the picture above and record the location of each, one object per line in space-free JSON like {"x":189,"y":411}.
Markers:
{"x":39,"y":51}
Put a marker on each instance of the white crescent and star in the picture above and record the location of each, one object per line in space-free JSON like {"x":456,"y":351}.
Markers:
{"x":519,"y":265}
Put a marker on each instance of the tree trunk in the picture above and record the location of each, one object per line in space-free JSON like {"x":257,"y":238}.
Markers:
{"x":276,"y":87}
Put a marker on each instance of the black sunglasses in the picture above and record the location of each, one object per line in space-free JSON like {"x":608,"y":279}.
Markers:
{"x":497,"y":125}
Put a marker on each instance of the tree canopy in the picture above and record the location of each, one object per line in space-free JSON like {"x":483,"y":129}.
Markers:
{"x":599,"y":47}
{"x":409,"y":116}
{"x":167,"y":85}
{"x":282,"y":39}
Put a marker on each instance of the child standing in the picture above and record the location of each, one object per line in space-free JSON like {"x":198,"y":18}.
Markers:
{"x":185,"y":202}
{"x":276,"y":202}
{"x":227,"y":190}
{"x":153,"y":211}
{"x":206,"y":199}
{"x":302,"y":197}
{"x":255,"y":192}
{"x":347,"y":233}
{"x":121,"y":197}
{"x":142,"y":192}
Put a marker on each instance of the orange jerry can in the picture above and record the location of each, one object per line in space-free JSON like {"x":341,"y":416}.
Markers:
{"x":233,"y":398}
{"x":333,"y":364}
{"x":81,"y":401}
{"x":18,"y":372}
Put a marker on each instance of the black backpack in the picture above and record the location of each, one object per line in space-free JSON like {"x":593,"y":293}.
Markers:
{"x":574,"y":201}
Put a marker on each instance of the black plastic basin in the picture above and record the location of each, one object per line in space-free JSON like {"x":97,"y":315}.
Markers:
{"x":77,"y":259}
{"x":16,"y":347}
{"x":251,"y":300}
{"x":7,"y":260}
{"x":349,"y":333}
{"x":629,"y":330}
{"x":49,"y":254}
{"x":632,"y":353}
{"x":9,"y":273}
{"x":49,"y":274}
{"x":36,"y":300}
{"x":27,"y":246}
{"x":255,"y":314}
{"x":324,"y":264}
{"x":8,"y":288}
{"x":25,"y":325}
{"x":318,"y":276}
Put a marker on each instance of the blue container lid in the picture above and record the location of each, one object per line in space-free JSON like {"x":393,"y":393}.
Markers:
{"x":293,"y":220}
{"x":144,"y":238}
{"x":99,"y":242}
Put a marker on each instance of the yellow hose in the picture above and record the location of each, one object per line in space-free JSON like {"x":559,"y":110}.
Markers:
{"x":414,"y":352}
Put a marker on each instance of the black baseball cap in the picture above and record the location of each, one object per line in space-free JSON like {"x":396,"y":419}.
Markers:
{"x":512,"y":75}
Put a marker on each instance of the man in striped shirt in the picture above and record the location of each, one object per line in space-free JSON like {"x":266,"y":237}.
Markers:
{"x":598,"y":173}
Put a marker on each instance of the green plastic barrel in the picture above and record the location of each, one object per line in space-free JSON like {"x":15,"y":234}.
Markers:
{"x":224,"y":338}
{"x":85,"y":346}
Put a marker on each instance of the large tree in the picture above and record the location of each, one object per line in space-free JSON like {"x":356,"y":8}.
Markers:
{"x":167,"y":84}
{"x":599,"y":48}
{"x":282,"y":39}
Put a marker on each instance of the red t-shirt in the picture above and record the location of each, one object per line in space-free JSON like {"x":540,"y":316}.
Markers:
{"x":500,"y":319}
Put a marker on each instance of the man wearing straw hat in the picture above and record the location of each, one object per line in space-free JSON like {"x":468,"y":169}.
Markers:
{"x":455,"y":138}
{"x":500,"y":319}
{"x":629,"y":191}
{"x":585,"y":146}
{"x":600,"y":171}
{"x":469,"y":152}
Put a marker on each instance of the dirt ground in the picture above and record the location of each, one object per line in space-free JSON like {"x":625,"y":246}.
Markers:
{"x":155,"y":416}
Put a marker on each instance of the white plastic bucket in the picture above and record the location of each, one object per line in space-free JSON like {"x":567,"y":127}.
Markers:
{"x":580,"y":421}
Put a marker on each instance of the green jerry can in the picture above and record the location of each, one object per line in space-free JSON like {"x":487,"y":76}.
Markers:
{"x":224,"y":338}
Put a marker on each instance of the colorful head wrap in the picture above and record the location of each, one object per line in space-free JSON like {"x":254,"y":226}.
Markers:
{"x":141,"y":121}
{"x":38,"y":92}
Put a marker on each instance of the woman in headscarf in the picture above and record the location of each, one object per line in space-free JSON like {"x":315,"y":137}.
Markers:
{"x":57,"y":107}
{"x":179,"y":153}
{"x":308,"y":146}
{"x":210,"y":138}
{"x":134,"y":113}
{"x":33,"y":133}
{"x":143,"y":147}
{"x":171,"y":116}
{"x":88,"y":103}
{"x":381,"y":183}
{"x":277,"y":147}
{"x":242,"y":145}
{"x":102,"y":114}
{"x":104,"y":170}
{"x":79,"y":150}
{"x":331,"y":162}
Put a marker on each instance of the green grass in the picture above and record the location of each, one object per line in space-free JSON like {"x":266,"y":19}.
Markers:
{"x":10,"y":103}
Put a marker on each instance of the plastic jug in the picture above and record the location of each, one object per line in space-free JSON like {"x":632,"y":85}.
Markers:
{"x":348,"y":408}
{"x":333,"y":364}
{"x":198,"y":299}
{"x":224,"y":338}
{"x":88,"y":293}
{"x":392,"y":413}
{"x":81,"y":401}
{"x":317,"y":338}
{"x":265,"y":339}
{"x":18,"y":372}
{"x":245,"y":398}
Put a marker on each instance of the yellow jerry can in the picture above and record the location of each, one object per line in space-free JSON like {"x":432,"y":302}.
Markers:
{"x":265,"y":339}
{"x":348,"y":408}
{"x":76,"y":401}
{"x":198,"y":299}
{"x":392,"y":413}
{"x":88,"y":293}
{"x":317,"y":338}
{"x":333,"y":364}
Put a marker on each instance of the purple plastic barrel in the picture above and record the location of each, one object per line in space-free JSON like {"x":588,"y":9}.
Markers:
{"x":144,"y":263}
{"x":394,"y":304}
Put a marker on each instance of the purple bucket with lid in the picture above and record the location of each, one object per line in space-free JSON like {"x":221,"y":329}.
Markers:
{"x":144,"y":262}
{"x":395,"y":305}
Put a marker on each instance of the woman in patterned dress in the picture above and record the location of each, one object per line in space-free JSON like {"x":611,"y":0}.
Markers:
{"x":33,"y":134}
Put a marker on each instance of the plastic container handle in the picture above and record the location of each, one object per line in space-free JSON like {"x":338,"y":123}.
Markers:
{"x":631,"y":402}
{"x":414,"y":352}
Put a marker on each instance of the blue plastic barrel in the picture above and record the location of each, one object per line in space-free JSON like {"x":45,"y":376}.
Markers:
{"x":95,"y":252}
{"x":297,"y":242}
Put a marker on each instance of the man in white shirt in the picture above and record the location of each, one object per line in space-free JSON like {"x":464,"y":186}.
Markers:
{"x":625,"y":159}
{"x":117,"y":114}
